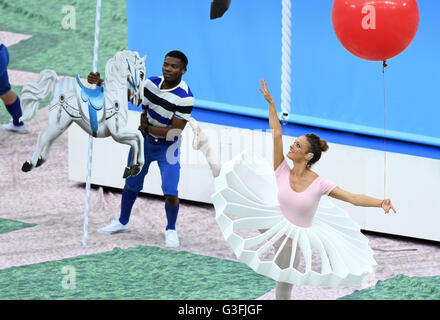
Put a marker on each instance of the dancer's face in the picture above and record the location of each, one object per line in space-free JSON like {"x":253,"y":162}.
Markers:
{"x":172,"y":69}
{"x":299,"y":149}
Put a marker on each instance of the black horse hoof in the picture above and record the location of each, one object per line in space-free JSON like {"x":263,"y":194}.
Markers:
{"x":127,"y":172}
{"x":27,"y":166}
{"x":135,"y":170}
{"x":40,"y":162}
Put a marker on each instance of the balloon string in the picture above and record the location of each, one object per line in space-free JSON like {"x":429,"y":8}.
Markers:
{"x":384,"y":65}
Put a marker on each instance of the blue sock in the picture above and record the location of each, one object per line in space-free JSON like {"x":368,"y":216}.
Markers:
{"x":14,"y":110}
{"x":127,"y":201}
{"x":171,"y":216}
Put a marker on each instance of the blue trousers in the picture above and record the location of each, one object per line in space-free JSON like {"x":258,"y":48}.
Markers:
{"x":167,"y":155}
{"x":5,"y":86}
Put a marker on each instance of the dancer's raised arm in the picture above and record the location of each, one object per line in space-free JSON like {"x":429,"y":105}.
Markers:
{"x":275,"y":126}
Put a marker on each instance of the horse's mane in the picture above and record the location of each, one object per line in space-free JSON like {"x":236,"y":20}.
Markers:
{"x":116,"y":69}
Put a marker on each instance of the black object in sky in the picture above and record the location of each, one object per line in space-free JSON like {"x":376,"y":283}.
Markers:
{"x":219,"y":7}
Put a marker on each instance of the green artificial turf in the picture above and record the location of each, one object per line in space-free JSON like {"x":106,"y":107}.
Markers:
{"x":400,"y":287}
{"x":7,"y":225}
{"x":52,"y":46}
{"x":140,"y":273}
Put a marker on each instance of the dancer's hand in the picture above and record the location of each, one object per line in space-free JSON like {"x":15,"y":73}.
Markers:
{"x":387,"y":205}
{"x":94,"y":78}
{"x":265,"y":92}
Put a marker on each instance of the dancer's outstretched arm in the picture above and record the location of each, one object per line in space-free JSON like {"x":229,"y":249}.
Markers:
{"x":362,"y":200}
{"x":275,"y":126}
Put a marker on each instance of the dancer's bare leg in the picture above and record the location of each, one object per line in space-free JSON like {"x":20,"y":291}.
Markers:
{"x":201,"y":142}
{"x":283,"y":290}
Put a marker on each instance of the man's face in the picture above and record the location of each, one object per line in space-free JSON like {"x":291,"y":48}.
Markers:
{"x":172,"y":69}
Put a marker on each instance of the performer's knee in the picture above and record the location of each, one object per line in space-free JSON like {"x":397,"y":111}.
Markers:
{"x":9,"y":97}
{"x":172,"y":201}
{"x":133,"y":186}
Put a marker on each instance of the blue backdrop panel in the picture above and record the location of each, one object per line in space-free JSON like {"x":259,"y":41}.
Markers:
{"x":227,"y":56}
{"x":330,"y":87}
{"x":338,"y":90}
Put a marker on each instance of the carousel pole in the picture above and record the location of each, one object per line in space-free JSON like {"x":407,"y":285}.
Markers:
{"x":89,"y":162}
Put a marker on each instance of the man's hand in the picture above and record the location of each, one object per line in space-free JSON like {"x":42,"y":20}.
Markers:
{"x":94,"y":78}
{"x":144,"y":121}
{"x":176,"y":124}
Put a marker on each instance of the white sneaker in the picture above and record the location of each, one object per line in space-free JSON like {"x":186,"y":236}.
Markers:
{"x":13,"y":128}
{"x":114,"y":227}
{"x":171,"y":238}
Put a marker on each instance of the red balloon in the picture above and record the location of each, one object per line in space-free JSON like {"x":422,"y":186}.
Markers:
{"x":375,"y":30}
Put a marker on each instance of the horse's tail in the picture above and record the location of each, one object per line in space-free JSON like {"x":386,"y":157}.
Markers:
{"x":33,"y":93}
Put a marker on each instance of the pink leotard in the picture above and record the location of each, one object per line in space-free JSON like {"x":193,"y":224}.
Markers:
{"x":300,"y":207}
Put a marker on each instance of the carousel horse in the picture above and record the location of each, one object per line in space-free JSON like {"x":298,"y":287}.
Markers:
{"x":101,"y":112}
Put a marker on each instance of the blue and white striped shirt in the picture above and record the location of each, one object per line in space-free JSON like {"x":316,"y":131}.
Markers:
{"x":164,"y":104}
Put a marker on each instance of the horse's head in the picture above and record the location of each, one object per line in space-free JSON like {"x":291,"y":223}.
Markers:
{"x":128,"y":67}
{"x":136,"y":77}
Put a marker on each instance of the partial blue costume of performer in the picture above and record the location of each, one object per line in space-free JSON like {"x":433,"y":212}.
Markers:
{"x":5,"y":86}
{"x":161,"y":105}
{"x":14,"y":108}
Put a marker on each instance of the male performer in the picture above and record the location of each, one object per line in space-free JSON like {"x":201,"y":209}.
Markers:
{"x":167,"y":104}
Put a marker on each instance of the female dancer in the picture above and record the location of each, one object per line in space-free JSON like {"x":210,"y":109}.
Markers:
{"x":299,"y":193}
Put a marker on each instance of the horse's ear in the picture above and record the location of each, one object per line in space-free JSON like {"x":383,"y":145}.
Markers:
{"x":143,"y":58}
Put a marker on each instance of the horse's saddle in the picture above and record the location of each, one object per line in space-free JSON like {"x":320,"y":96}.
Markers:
{"x":95,"y":102}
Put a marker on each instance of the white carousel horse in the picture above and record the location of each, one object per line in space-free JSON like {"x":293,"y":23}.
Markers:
{"x":101,"y":112}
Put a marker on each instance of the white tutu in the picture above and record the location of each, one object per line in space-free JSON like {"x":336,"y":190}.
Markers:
{"x":250,"y":218}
